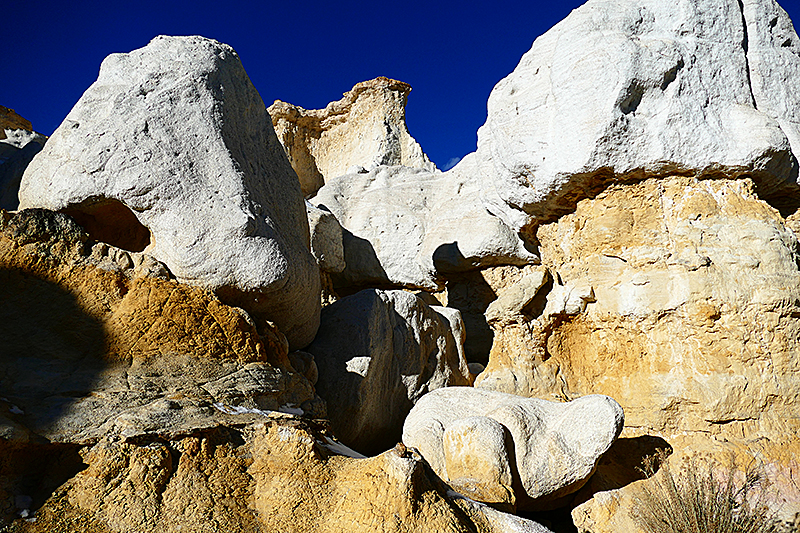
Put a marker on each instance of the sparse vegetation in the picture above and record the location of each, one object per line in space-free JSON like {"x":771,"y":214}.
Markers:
{"x":704,"y":497}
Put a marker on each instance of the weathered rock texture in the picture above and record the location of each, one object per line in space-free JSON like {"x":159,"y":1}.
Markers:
{"x":97,"y":339}
{"x":171,"y":150}
{"x":502,"y":448}
{"x":365,"y":129}
{"x":378,"y":352}
{"x":693,"y":328}
{"x":411,"y":228}
{"x":10,"y":120}
{"x":272,"y":474}
{"x":619,"y":91}
{"x":612,"y":511}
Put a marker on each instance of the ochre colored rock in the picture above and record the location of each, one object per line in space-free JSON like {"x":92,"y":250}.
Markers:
{"x":365,"y":128}
{"x":10,"y":120}
{"x":696,"y":286}
{"x":97,"y":340}
{"x":277,"y":475}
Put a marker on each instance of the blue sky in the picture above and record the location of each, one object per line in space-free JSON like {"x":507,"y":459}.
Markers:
{"x":307,"y":53}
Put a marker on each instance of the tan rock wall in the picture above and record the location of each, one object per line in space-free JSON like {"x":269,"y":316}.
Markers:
{"x":365,"y":128}
{"x":693,"y":327}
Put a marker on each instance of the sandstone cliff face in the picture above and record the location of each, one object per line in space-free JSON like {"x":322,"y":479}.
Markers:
{"x":365,"y":129}
{"x":692,"y":328}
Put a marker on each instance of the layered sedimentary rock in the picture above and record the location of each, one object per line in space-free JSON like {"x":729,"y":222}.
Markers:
{"x":491,"y":443}
{"x":412,"y":228}
{"x":171,"y":151}
{"x":625,"y":90}
{"x":377,"y":353}
{"x":272,"y":474}
{"x":692,"y":327}
{"x":97,"y":338}
{"x":365,"y":129}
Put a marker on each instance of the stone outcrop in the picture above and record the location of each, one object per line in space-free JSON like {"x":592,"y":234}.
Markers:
{"x":17,"y":149}
{"x":274,"y":474}
{"x":171,"y":151}
{"x":692,"y":326}
{"x":98,"y":339}
{"x":638,"y":88}
{"x":489,"y":443}
{"x":366,"y":128}
{"x":616,"y":509}
{"x":411,"y":228}
{"x":377,"y":353}
{"x":10,"y":120}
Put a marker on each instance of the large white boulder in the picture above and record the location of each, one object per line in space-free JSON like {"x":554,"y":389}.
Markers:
{"x":624,"y":89}
{"x":174,"y":137}
{"x":479,"y":439}
{"x":411,"y":227}
{"x":377,"y":353}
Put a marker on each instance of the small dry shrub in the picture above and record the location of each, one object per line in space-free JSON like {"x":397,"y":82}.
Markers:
{"x":704,"y":497}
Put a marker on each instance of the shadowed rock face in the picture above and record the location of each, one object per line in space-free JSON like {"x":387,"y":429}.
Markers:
{"x":176,"y":133}
{"x":97,"y":340}
{"x":378,"y":352}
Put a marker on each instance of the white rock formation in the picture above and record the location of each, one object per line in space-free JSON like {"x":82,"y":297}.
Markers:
{"x":377,"y":353}
{"x":365,"y":129}
{"x":326,"y":239}
{"x":556,"y":446}
{"x":176,"y":134}
{"x":632,"y":88}
{"x":408,"y":227}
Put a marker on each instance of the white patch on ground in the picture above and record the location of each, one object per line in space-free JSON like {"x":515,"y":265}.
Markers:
{"x":16,"y":410}
{"x":340,"y":449}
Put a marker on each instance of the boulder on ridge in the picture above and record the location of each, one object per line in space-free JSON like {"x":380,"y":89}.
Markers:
{"x":484,"y":439}
{"x":171,"y":150}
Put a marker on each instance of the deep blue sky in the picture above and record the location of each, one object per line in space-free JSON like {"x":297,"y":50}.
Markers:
{"x":307,"y":53}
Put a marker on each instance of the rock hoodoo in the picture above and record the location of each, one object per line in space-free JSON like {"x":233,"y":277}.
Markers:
{"x":627,"y":228}
{"x":172,"y":144}
{"x":639,"y":88}
{"x":366,"y":128}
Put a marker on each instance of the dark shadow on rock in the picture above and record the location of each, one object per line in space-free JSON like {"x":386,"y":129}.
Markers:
{"x":16,"y":161}
{"x":363,"y":268}
{"x":50,"y":356}
{"x":51,"y":353}
{"x":621,"y":465}
{"x":31,"y":472}
{"x":471,"y":295}
{"x":366,"y":397}
{"x":110,"y":221}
